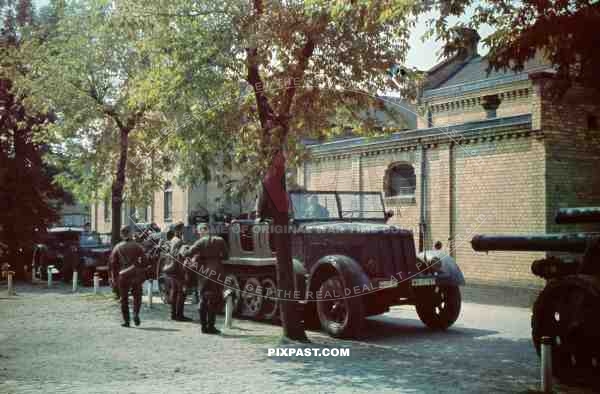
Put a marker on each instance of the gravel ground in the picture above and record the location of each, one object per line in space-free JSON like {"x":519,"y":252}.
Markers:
{"x":57,"y":342}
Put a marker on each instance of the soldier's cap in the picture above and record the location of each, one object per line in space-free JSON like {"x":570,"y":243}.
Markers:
{"x":179,"y":226}
{"x":125,"y":232}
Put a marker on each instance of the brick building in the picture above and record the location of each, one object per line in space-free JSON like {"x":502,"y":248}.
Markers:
{"x":172,"y":204}
{"x":491,"y":153}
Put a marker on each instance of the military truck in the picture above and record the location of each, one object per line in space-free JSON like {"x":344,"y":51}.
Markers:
{"x":343,"y":247}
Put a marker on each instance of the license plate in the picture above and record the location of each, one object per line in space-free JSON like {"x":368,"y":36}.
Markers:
{"x":384,"y":284}
{"x":423,"y":282}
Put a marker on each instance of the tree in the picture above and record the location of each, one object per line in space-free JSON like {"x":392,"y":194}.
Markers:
{"x":297,"y":69}
{"x":29,"y":199}
{"x":94,"y":72}
{"x":561,"y":30}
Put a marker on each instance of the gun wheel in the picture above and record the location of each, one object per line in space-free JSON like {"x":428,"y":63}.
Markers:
{"x":252,"y":300}
{"x":566,"y":310}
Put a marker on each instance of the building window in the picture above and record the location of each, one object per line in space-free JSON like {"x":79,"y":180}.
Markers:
{"x":400,"y":181}
{"x":142,"y":214}
{"x":168,"y":202}
{"x":107,"y":209}
{"x":133,"y":215}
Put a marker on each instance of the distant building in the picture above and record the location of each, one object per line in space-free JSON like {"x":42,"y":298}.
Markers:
{"x":490,"y":154}
{"x":172,"y":204}
{"x":73,"y":215}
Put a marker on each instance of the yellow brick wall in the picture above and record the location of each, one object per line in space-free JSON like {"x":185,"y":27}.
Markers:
{"x":498,"y":188}
{"x":573,"y":151}
{"x":501,"y":181}
{"x":516,"y":99}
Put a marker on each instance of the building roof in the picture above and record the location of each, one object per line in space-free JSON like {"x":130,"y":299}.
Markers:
{"x":473,"y":75}
{"x":465,"y":129}
{"x":397,"y":114}
{"x":402,"y":109}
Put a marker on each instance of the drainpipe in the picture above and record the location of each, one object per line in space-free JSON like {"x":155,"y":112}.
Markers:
{"x":422,"y":230}
{"x":451,"y":218}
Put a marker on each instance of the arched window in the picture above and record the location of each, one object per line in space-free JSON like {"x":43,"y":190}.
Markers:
{"x":168,"y":202}
{"x":400,"y":181}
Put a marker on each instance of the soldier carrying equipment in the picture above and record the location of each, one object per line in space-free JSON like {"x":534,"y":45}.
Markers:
{"x":207,"y":254}
{"x":127,"y":265}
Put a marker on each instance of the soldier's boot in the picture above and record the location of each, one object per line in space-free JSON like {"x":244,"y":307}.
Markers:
{"x":137,"y":304}
{"x":180,"y":309}
{"x":125,"y":309}
{"x":203,"y":317}
{"x":173,"y":312}
{"x":211,"y":329}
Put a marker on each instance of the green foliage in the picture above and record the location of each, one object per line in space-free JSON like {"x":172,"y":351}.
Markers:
{"x":95,"y":73}
{"x":29,"y":199}
{"x":330,"y":89}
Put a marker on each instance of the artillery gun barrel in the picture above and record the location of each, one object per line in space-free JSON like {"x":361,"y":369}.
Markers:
{"x":574,"y":243}
{"x":578,"y":215}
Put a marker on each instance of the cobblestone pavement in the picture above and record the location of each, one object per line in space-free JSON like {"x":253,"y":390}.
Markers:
{"x":53,"y":341}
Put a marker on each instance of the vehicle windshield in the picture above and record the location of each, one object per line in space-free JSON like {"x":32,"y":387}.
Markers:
{"x":329,"y":205}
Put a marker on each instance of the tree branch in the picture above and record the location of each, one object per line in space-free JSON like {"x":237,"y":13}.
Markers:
{"x":296,"y":76}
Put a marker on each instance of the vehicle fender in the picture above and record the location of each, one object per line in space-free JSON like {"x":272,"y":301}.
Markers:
{"x":448,"y":271}
{"x":300,"y":276}
{"x":350,"y":271}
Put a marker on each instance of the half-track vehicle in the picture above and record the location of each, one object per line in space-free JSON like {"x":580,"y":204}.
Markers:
{"x":567,"y":309}
{"x":343,"y":247}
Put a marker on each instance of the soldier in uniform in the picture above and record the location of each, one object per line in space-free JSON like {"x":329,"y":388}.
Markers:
{"x":208,"y":252}
{"x":177,"y":275}
{"x":126,"y":262}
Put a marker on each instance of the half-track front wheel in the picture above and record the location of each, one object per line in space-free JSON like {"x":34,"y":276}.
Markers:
{"x":340,"y":317}
{"x":438,"y":307}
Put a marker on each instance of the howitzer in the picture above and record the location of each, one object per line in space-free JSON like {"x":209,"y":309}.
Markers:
{"x":578,"y":215}
{"x":574,"y":243}
{"x":568,"y":308}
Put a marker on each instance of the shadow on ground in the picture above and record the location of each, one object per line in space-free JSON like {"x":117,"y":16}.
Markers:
{"x":402,"y":353}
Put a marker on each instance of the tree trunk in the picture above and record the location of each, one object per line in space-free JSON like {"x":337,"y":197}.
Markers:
{"x":291,"y":319}
{"x":273,"y":203}
{"x":117,"y":189}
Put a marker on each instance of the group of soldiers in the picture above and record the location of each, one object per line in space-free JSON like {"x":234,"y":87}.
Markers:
{"x":184,"y":263}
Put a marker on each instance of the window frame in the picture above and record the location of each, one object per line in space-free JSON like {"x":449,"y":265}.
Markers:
{"x":107,"y":210}
{"x":168,"y":208}
{"x":387,"y":183}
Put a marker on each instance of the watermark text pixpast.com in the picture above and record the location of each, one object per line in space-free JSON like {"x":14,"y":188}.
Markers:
{"x":308,"y":352}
